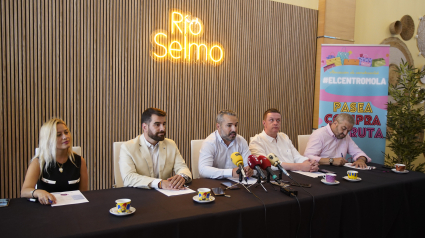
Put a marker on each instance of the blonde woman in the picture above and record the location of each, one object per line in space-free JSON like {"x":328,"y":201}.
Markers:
{"x":56,"y":168}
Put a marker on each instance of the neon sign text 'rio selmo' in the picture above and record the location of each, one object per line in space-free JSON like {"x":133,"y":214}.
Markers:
{"x":184,"y":43}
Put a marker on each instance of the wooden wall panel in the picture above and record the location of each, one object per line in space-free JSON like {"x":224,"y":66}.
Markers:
{"x":89,"y":62}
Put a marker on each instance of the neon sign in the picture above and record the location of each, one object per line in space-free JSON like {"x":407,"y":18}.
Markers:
{"x":184,"y":43}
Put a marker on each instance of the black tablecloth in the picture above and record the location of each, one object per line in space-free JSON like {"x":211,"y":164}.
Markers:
{"x":383,"y":204}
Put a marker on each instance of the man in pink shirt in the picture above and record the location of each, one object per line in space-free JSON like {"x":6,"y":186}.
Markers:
{"x":330,"y":144}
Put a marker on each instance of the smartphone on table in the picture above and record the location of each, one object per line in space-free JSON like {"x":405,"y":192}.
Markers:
{"x":218,"y":191}
{"x":4,"y":202}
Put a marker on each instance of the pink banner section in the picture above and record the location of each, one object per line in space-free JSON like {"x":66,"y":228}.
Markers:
{"x":364,"y":54}
{"x":377,"y":101}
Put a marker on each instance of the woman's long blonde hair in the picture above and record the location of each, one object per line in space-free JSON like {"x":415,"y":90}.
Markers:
{"x":47,"y":144}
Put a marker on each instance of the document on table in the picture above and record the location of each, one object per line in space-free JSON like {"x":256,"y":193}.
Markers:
{"x":175,"y":192}
{"x":310,"y":174}
{"x":68,"y":198}
{"x":349,"y":165}
{"x":250,"y":180}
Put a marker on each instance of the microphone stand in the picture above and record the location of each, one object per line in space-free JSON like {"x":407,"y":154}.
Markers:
{"x":268,"y":179}
{"x":258,"y":183}
{"x":240,"y":180}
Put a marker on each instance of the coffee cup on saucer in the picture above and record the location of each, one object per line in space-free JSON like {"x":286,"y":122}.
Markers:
{"x":352,"y":174}
{"x":400,"y":167}
{"x":329,"y":177}
{"x":123,"y":205}
{"x":204,"y":194}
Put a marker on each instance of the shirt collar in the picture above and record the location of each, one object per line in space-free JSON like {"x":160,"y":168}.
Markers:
{"x":329,"y":130}
{"x":269,"y":138}
{"x":148,"y":144}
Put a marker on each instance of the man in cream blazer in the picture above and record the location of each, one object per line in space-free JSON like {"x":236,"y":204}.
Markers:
{"x":149,"y":160}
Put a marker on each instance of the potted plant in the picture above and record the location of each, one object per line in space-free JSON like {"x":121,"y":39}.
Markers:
{"x":405,"y":118}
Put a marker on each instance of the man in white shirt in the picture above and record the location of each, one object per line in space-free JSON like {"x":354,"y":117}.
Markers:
{"x":278,"y":143}
{"x":214,"y":156}
{"x":149,"y":160}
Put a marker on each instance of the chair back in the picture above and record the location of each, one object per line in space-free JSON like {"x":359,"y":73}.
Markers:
{"x":117,"y":173}
{"x":75,"y":149}
{"x":302,"y":143}
{"x":195,"y":147}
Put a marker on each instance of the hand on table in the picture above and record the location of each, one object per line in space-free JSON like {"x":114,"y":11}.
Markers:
{"x":304,"y":166}
{"x":248,"y":171}
{"x":359,"y":163}
{"x":44,"y":197}
{"x":314,"y":165}
{"x":174,"y":183}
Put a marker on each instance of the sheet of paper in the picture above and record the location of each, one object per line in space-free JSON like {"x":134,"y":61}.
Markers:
{"x":310,"y":174}
{"x":250,"y":180}
{"x":175,"y":192}
{"x":349,"y":165}
{"x":68,"y":198}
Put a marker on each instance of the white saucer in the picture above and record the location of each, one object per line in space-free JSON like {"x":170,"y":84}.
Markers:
{"x":114,"y":211}
{"x":327,"y":183}
{"x":400,"y":172}
{"x":352,"y":180}
{"x":195,"y":198}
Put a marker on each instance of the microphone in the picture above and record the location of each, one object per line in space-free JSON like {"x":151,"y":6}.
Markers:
{"x":254,"y":163}
{"x":238,"y":161}
{"x":266,"y":166}
{"x":275,"y":162}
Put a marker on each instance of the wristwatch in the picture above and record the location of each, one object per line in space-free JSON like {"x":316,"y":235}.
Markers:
{"x":331,"y":160}
{"x":186,"y":178}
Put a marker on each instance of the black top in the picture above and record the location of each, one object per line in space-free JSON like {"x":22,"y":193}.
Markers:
{"x":55,"y":181}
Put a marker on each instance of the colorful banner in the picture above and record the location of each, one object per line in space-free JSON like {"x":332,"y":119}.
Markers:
{"x":354,"y":80}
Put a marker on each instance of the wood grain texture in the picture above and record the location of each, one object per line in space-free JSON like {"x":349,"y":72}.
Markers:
{"x":89,"y":62}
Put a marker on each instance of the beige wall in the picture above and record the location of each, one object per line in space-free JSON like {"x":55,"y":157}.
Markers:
{"x":373,"y":19}
{"x":312,"y":4}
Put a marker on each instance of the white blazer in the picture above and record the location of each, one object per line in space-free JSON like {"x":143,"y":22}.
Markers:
{"x":136,"y":163}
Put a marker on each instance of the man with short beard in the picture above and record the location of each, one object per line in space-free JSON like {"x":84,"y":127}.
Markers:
{"x":214,"y":156}
{"x":148,"y":160}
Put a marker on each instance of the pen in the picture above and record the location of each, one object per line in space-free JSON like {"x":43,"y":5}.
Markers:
{"x":35,"y":200}
{"x":342,"y":156}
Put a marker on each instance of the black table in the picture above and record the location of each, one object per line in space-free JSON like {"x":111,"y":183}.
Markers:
{"x":383,"y":204}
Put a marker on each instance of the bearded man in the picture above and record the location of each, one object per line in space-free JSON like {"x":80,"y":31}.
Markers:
{"x":148,"y":161}
{"x":214,"y":156}
{"x":330,"y":144}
